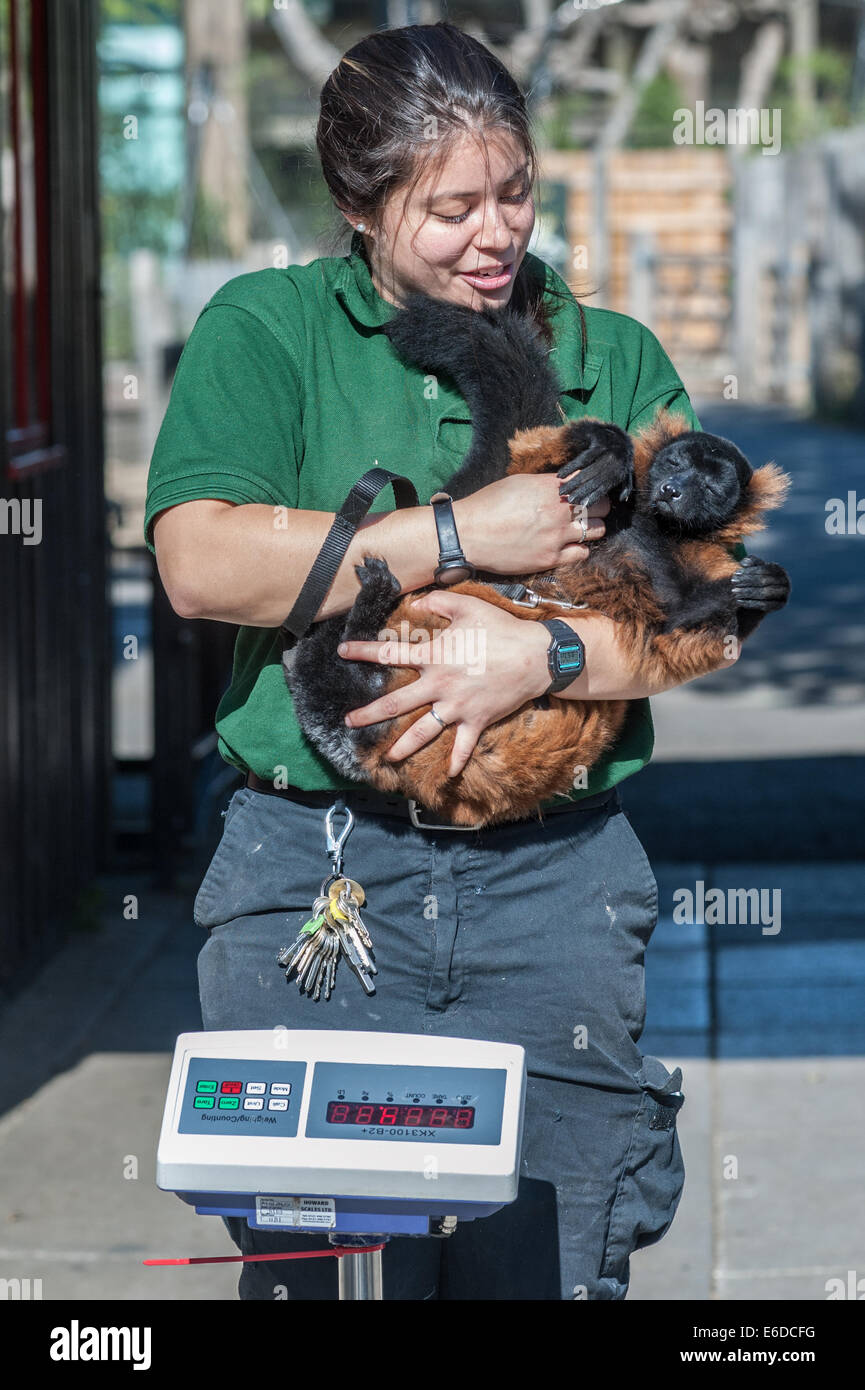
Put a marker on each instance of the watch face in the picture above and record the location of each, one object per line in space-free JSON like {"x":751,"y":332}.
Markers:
{"x":570,"y":657}
{"x":453,"y":576}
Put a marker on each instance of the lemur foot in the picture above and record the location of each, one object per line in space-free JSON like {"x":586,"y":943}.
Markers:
{"x":760,"y":584}
{"x":604,"y":455}
{"x":379,"y":591}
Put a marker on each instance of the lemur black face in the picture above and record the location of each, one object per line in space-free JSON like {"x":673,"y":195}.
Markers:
{"x":696,"y":483}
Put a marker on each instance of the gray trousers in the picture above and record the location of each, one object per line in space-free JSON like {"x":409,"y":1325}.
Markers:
{"x":527,"y":933}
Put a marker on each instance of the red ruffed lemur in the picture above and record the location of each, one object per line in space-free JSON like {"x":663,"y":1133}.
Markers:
{"x":664,"y":572}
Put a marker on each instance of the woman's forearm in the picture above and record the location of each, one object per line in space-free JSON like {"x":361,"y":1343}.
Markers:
{"x":246,"y":564}
{"x":608,"y":673}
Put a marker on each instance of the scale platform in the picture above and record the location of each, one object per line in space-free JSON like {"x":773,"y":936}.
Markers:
{"x":343,"y":1132}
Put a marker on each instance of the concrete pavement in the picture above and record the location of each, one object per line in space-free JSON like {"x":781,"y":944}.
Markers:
{"x":769,"y":1029}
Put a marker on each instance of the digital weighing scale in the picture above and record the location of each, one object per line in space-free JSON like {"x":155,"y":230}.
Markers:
{"x":359,"y":1135}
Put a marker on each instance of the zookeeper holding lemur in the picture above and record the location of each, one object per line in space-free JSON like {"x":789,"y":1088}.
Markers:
{"x":286,"y":392}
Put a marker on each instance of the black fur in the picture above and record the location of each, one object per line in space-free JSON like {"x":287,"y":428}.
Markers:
{"x":499,"y":363}
{"x":695,"y":487}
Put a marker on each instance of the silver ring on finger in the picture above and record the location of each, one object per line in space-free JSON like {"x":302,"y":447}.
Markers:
{"x":584,"y":529}
{"x":439,"y":718}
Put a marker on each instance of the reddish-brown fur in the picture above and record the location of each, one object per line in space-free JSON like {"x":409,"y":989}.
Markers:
{"x":534,"y":754}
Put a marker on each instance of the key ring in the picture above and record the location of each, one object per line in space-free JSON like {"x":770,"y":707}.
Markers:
{"x":335,"y":928}
{"x":335,"y":843}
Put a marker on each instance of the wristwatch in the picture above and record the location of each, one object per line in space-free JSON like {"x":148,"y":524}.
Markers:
{"x":453,"y":567}
{"x":566,"y":655}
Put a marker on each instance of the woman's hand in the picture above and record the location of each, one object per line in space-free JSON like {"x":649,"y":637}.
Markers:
{"x":484,"y":666}
{"x":522,"y":524}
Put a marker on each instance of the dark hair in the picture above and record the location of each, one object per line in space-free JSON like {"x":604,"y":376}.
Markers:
{"x":378,"y":107}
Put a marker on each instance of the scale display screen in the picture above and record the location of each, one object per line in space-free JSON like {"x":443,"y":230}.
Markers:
{"x":341,"y":1112}
{"x":443,"y":1105}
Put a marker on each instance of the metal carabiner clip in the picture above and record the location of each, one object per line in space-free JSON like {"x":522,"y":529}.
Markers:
{"x":533,"y":599}
{"x":335,"y":843}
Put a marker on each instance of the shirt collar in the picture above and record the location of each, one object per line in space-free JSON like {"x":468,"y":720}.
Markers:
{"x":355,"y":290}
{"x":358,"y":295}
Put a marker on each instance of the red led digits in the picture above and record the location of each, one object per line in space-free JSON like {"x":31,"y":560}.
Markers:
{"x":409,"y":1116}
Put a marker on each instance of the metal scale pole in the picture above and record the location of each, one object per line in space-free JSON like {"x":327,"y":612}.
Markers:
{"x":360,"y":1272}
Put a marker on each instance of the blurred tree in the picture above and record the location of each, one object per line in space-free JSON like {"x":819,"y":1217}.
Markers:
{"x":654,"y":118}
{"x":831,"y":72}
{"x":561,"y":118}
{"x":141,"y":11}
{"x":319,"y":11}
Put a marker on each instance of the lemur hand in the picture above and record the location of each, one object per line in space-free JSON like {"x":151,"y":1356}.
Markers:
{"x":760,"y":584}
{"x":604,"y":455}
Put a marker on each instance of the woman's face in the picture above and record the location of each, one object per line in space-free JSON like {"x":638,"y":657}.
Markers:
{"x":459,"y":220}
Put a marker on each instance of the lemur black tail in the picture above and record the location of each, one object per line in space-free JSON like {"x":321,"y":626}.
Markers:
{"x":497,"y":361}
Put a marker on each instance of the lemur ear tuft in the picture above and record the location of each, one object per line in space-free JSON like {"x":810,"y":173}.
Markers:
{"x":768,"y":486}
{"x":766,"y":489}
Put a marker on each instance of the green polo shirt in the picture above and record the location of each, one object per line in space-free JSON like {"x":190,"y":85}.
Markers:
{"x":287,"y":391}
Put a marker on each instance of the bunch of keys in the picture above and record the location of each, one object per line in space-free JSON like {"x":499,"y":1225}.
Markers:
{"x":335,"y":928}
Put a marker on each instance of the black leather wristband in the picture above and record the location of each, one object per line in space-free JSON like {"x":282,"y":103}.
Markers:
{"x":453,"y":567}
{"x":566,"y":655}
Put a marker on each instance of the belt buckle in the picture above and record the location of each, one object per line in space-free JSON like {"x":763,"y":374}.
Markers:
{"x":427,"y":825}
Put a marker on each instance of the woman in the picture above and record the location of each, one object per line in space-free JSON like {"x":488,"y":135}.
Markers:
{"x":533,"y":932}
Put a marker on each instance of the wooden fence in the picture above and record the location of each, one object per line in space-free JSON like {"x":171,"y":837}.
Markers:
{"x":750,"y":268}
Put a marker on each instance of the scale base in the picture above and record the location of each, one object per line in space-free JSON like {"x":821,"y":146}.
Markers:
{"x":363,"y":1216}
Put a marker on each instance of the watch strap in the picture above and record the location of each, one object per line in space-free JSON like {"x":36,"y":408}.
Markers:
{"x":451,"y":553}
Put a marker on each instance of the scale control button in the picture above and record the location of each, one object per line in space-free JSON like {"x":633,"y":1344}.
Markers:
{"x":280,"y":1088}
{"x":229,"y":1103}
{"x":256,"y":1088}
{"x":205,"y":1087}
{"x":277,"y":1105}
{"x":231,"y":1088}
{"x":203,"y":1103}
{"x":255,"y":1104}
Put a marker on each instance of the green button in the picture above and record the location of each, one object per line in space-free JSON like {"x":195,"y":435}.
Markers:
{"x":203,"y":1103}
{"x":205,"y":1086}
{"x":229,"y":1102}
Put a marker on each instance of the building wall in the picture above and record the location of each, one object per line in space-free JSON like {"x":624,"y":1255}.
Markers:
{"x":54,"y":637}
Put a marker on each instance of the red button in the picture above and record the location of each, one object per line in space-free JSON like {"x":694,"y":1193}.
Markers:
{"x":231,"y":1088}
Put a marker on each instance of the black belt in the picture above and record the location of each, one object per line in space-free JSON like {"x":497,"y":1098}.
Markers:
{"x":380,"y":804}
